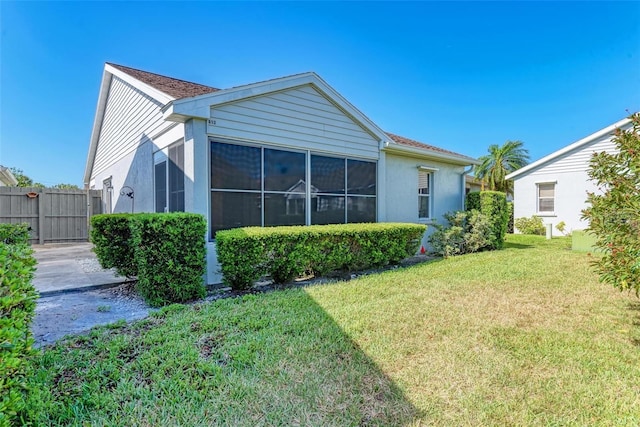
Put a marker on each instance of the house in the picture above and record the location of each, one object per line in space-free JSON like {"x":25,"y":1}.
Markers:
{"x":6,"y":177}
{"x":288,"y":151}
{"x":555,"y":187}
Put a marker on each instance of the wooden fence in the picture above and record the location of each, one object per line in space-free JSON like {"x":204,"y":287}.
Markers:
{"x":55,"y":216}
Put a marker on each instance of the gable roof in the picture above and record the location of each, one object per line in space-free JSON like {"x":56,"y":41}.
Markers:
{"x":609,"y":130}
{"x":175,"y":88}
{"x":183,"y":99}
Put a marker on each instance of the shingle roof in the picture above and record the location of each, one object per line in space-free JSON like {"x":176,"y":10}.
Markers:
{"x":173,"y":87}
{"x":412,"y":143}
{"x":183,"y":89}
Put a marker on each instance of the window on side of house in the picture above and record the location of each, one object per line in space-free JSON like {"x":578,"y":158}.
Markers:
{"x":264,"y":186}
{"x":168,"y":178}
{"x":546,"y":197}
{"x":424,"y":194}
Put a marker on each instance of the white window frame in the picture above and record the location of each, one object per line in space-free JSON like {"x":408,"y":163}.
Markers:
{"x":538,"y":198}
{"x":429,"y":172}
{"x":159,"y":157}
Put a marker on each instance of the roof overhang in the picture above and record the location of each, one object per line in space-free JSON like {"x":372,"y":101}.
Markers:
{"x":626,"y":122}
{"x":393,"y":147}
{"x":199,"y":107}
{"x":107,"y":76}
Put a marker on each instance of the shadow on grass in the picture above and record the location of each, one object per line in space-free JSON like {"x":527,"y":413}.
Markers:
{"x":635,"y":308}
{"x":511,"y":245}
{"x":272,"y":359}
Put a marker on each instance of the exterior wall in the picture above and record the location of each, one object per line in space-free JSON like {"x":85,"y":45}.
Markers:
{"x":297,"y":118}
{"x":133,"y":170}
{"x":569,"y":172}
{"x":402,"y":190}
{"x":131,"y":118}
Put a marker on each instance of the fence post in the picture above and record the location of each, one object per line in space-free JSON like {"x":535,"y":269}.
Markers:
{"x":41,"y":207}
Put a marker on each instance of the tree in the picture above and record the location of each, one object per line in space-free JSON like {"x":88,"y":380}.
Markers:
{"x":24,"y":180}
{"x":500,"y":162}
{"x":66,"y":187}
{"x":614,"y":214}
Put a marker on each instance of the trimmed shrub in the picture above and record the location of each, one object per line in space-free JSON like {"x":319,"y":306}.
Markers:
{"x":246,"y":254}
{"x":510,"y":212}
{"x":111,"y":235}
{"x":472,"y":201}
{"x":17,"y":308}
{"x":467,"y":232}
{"x":14,"y":234}
{"x":531,"y":225}
{"x":165,"y":251}
{"x":494,"y":205}
{"x":170,"y":256}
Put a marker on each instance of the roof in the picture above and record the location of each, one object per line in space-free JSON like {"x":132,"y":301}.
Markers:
{"x":416,"y":144}
{"x":173,"y":93}
{"x":609,"y":130}
{"x":175,"y":88}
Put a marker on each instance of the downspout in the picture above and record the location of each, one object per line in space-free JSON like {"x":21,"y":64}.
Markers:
{"x":463,"y":184}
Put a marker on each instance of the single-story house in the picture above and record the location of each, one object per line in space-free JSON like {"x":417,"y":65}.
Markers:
{"x":6,"y":177}
{"x":285,"y":151}
{"x":555,"y":187}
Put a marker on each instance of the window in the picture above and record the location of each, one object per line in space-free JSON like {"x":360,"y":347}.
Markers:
{"x":424,"y":194}
{"x":168,"y":179}
{"x":546,"y":197}
{"x":260,"y":186}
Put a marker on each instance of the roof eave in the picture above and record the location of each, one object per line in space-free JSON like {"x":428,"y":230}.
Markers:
{"x":581,"y":142}
{"x":394,"y":147}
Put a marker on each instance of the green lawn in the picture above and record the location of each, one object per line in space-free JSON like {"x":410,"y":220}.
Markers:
{"x":521,"y":336}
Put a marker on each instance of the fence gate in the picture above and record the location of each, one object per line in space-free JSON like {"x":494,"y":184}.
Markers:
{"x":55,"y":216}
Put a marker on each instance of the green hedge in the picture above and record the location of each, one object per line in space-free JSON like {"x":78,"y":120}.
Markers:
{"x":111,"y":235}
{"x":494,"y":205}
{"x":533,"y":225}
{"x":165,"y":251}
{"x":170,"y":254}
{"x":246,"y":254}
{"x":14,"y":234}
{"x":17,"y":308}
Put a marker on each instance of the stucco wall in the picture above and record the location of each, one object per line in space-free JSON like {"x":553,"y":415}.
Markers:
{"x":570,"y":196}
{"x":401,"y":197}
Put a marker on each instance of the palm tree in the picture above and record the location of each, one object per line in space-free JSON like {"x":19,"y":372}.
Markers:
{"x":500,"y":162}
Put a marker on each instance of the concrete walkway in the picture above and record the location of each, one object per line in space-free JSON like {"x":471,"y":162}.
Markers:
{"x":70,"y":267}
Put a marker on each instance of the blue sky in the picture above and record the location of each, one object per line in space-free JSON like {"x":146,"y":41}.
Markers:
{"x":457,"y":75}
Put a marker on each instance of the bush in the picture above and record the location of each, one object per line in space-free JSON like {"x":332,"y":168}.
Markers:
{"x":14,"y":234}
{"x":467,"y":232}
{"x":613,"y":214}
{"x":17,"y":308}
{"x":165,"y":251}
{"x":510,"y":222}
{"x":531,"y":225}
{"x":170,"y":256}
{"x":246,"y":254}
{"x":493,"y":204}
{"x":472,"y":201}
{"x":113,"y":245}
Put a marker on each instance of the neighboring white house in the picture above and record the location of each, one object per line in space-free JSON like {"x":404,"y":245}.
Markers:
{"x":6,"y":177}
{"x":285,"y":151}
{"x":555,"y":187}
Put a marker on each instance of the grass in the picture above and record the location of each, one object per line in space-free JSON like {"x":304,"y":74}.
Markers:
{"x":521,"y":336}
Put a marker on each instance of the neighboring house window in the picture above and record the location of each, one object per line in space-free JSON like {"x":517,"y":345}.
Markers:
{"x":424,"y":194}
{"x":261,"y":186}
{"x":546,"y":197}
{"x":169,"y":179}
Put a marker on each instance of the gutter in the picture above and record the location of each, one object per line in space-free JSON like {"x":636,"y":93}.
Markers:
{"x":463,"y":184}
{"x":7,"y":177}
